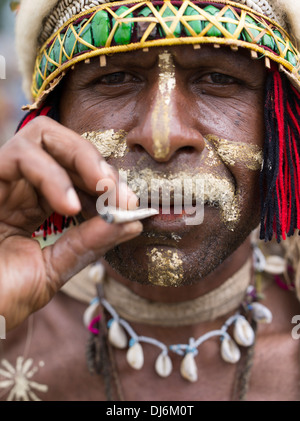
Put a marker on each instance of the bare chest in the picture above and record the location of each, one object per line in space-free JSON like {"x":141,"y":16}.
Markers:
{"x":269,"y":373}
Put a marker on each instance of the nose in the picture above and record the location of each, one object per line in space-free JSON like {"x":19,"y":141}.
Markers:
{"x":165,"y":124}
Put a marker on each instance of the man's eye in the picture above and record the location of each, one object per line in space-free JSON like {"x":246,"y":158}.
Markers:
{"x":221,"y":79}
{"x":216,"y":78}
{"x":116,"y":78}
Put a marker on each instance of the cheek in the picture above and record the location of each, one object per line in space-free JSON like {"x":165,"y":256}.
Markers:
{"x":248,"y":131}
{"x":239,"y":118}
{"x":249,"y":126}
{"x":239,"y":127}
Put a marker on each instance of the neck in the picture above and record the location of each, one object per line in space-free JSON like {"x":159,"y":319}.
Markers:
{"x":184,"y":293}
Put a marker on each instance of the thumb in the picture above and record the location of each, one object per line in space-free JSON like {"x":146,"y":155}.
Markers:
{"x":82,"y":245}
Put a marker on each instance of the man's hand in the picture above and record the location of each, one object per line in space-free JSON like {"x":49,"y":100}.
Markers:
{"x":39,"y":169}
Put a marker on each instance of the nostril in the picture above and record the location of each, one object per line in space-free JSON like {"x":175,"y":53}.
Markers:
{"x":187,"y":149}
{"x":137,"y":148}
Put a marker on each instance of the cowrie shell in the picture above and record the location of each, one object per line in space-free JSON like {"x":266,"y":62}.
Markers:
{"x":96,"y":273}
{"x":275,"y":265}
{"x":117,"y":336}
{"x":188,"y":368}
{"x":261,"y":313}
{"x":243,"y":333}
{"x":135,"y":356}
{"x":163,"y":365}
{"x":90,"y":313}
{"x":230,"y":351}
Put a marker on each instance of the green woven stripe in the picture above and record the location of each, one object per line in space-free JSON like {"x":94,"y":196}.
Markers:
{"x":96,"y":29}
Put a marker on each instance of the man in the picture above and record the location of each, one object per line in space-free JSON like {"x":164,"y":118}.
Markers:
{"x":172,"y":92}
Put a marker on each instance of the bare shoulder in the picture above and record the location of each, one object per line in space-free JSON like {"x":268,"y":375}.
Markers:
{"x":275,"y":373}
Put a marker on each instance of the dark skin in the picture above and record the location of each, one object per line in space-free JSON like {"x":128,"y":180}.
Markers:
{"x":213,"y":88}
{"x":37,"y":177}
{"x":217,"y":92}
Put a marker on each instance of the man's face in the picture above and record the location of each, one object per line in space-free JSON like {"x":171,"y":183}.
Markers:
{"x":186,"y":113}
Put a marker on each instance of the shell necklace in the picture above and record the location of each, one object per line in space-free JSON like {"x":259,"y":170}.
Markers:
{"x":121,"y":335}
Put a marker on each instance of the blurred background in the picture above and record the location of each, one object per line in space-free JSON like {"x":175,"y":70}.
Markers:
{"x":11,"y":95}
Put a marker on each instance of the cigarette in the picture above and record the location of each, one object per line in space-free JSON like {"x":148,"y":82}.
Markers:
{"x":119,"y":216}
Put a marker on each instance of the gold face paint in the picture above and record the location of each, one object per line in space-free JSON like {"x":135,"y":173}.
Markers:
{"x":160,"y":119}
{"x":158,"y":238}
{"x":109,"y":143}
{"x":218,"y":191}
{"x":165,"y":268}
{"x":176,"y":237}
{"x":236,"y":152}
{"x":212,"y":159}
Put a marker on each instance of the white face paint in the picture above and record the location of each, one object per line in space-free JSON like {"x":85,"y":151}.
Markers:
{"x":160,"y":119}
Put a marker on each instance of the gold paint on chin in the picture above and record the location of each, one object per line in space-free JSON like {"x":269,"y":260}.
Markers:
{"x":165,"y":268}
{"x":109,"y":143}
{"x":160,"y":119}
{"x":232,"y":152}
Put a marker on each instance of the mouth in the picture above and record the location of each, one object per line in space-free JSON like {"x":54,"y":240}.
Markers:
{"x":172,"y":213}
{"x":171,"y":220}
{"x":183,"y":209}
{"x":181,"y":199}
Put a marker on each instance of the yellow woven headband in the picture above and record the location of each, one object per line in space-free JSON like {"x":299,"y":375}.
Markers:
{"x":126,"y":26}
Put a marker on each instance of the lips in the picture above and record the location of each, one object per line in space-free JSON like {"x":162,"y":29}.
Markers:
{"x":182,"y":223}
{"x":181,"y":198}
{"x":170,"y":214}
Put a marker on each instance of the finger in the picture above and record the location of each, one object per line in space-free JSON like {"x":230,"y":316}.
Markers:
{"x":24,"y":157}
{"x":83,"y":245}
{"x":29,"y":161}
{"x":80,"y":158}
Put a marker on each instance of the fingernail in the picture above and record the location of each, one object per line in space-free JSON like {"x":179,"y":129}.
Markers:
{"x":73,"y":199}
{"x":132,"y":228}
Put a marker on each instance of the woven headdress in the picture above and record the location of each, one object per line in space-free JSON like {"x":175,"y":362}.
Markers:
{"x":52,"y":36}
